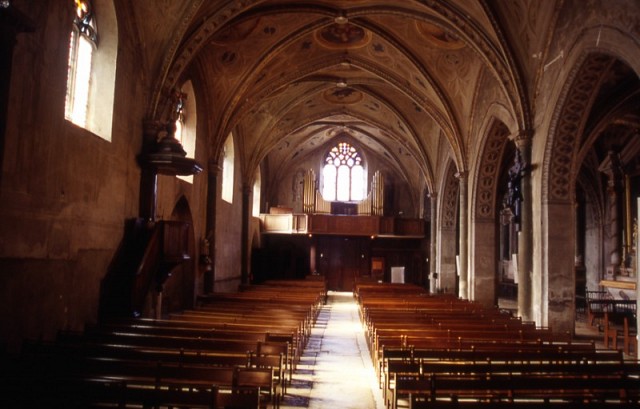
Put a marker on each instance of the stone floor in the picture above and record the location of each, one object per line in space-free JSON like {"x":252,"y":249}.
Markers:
{"x":335,"y":370}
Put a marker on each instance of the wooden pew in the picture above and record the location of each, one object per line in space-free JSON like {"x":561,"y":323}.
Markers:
{"x":301,"y":337}
{"x":421,"y":401}
{"x":489,"y":369}
{"x":458,"y":339}
{"x":43,"y":366}
{"x":536,"y":362}
{"x":233,"y":350}
{"x":127,"y":352}
{"x":523,"y":387}
{"x":101,"y":393}
{"x":261,"y":378}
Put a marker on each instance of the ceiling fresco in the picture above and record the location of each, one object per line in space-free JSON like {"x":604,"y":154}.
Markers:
{"x":412,"y":81}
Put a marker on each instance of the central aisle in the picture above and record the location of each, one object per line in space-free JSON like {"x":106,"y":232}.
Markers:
{"x":335,"y":370}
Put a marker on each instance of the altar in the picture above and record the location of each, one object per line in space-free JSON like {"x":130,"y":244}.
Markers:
{"x":620,"y":283}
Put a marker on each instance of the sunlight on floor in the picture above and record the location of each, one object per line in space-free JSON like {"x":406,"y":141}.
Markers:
{"x":336,"y":369}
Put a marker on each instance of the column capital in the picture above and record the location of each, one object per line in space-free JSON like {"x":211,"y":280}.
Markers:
{"x":151,"y":129}
{"x":247,"y":189}
{"x":214,"y":167}
{"x":611,"y":165}
{"x":462,"y":175}
{"x":523,"y":138}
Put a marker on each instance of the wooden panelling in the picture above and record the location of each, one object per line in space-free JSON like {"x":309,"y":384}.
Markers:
{"x":342,"y":225}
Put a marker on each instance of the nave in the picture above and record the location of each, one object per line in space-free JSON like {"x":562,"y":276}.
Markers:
{"x":335,"y":371}
{"x":292,"y":344}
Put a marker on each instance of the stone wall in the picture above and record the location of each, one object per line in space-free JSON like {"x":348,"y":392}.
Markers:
{"x":65,"y":192}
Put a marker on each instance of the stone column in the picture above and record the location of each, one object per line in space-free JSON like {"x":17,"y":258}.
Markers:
{"x":149,"y":176}
{"x":613,"y":212}
{"x":244,"y":234}
{"x":613,"y":199}
{"x":611,"y":167}
{"x":213,"y":170}
{"x":463,"y":288}
{"x":525,"y":233}
{"x":432,"y":250}
{"x":579,"y":232}
{"x":637,"y":271}
{"x":313,"y":269}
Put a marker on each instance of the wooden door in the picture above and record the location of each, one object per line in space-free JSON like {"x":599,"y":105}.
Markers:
{"x":340,"y":261}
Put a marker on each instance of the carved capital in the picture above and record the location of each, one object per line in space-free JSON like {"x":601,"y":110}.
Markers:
{"x":152,"y":128}
{"x":214,"y":167}
{"x":461,"y":176}
{"x":523,"y":139}
{"x":611,"y":165}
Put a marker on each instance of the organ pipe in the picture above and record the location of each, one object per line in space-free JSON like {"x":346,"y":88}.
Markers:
{"x":313,"y":202}
{"x":322,"y":206}
{"x":309,"y":200}
{"x":377,"y":193}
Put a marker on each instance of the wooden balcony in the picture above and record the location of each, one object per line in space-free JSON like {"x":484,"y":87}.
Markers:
{"x":324,"y":224}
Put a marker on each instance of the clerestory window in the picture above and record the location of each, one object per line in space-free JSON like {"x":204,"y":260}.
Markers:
{"x":228,"y":169}
{"x":257,"y":184}
{"x":343,"y":174}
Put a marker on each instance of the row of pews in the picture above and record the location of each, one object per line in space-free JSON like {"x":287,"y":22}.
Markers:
{"x":434,"y":351}
{"x":234,"y":350}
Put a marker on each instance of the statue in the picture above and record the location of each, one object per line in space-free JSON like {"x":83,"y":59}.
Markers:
{"x":634,"y":236}
{"x":513,"y":198}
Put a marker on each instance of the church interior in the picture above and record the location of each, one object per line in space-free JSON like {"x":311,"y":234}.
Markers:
{"x":246,"y":162}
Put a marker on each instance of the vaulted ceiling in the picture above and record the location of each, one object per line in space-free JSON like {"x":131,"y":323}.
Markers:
{"x":409,"y":80}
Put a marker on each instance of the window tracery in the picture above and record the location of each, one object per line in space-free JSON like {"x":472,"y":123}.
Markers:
{"x":343,"y":174}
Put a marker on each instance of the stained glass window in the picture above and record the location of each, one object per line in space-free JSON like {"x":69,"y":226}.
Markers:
{"x":343,"y":174}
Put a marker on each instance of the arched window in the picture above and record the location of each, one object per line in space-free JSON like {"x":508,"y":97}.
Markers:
{"x":227,"y":170}
{"x":343,"y":174}
{"x":84,"y":39}
{"x":185,"y":115}
{"x":256,"y":194}
{"x":91,"y":66}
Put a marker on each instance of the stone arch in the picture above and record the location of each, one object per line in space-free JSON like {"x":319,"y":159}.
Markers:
{"x":589,"y":66}
{"x":447,"y":242}
{"x":554,"y":283}
{"x":487,"y":171}
{"x":567,"y":127}
{"x":180,"y":289}
{"x":449,"y":198}
{"x":552,"y":303}
{"x":590,"y":217}
{"x":483,"y":246}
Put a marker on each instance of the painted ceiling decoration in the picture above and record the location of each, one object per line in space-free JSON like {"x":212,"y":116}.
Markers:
{"x":343,"y":95}
{"x":412,"y":80}
{"x":439,"y":37}
{"x":343,"y":36}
